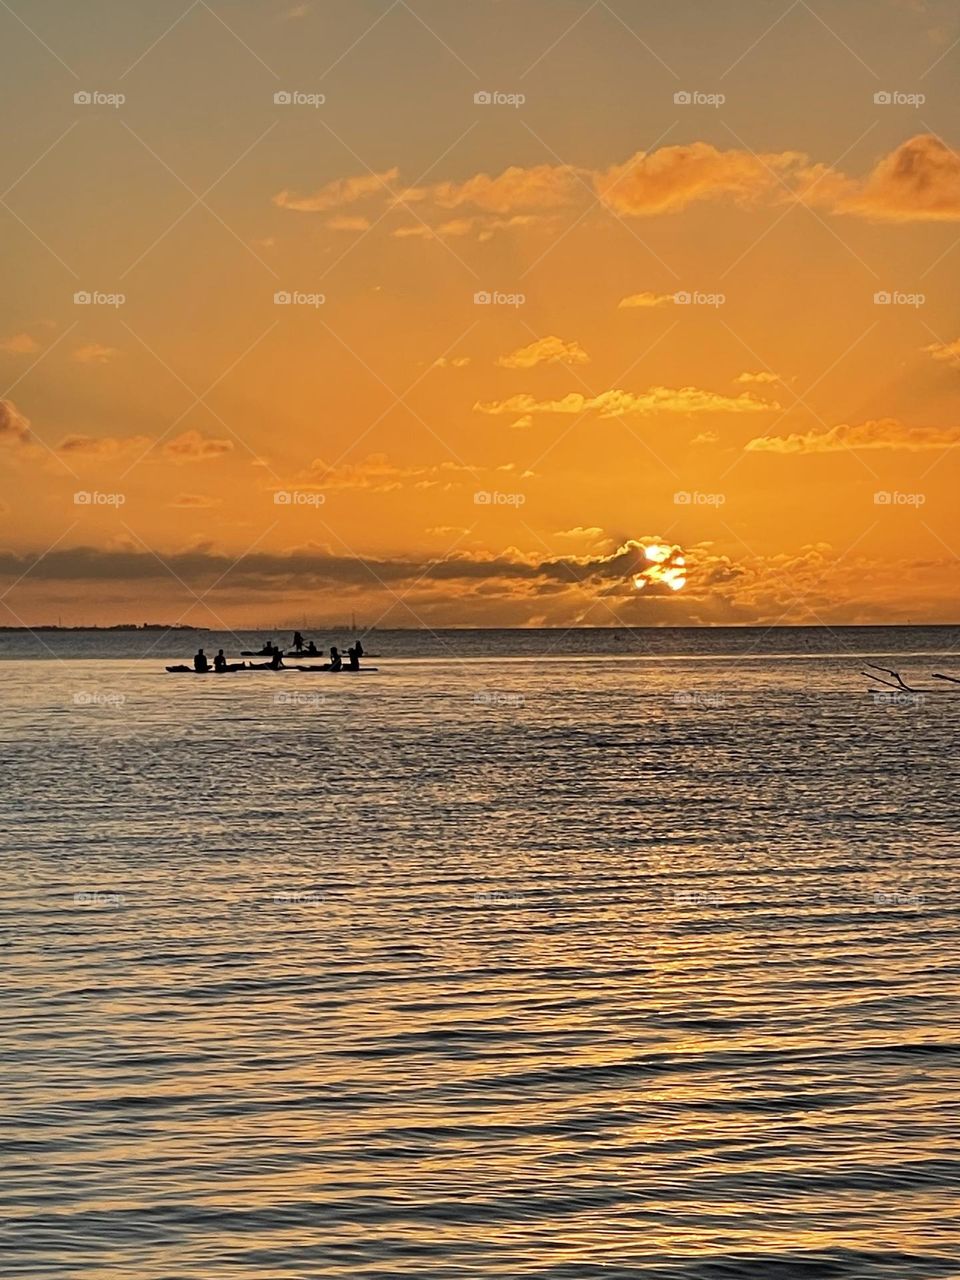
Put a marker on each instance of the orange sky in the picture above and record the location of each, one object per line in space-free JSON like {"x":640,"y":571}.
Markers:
{"x":725,"y":325}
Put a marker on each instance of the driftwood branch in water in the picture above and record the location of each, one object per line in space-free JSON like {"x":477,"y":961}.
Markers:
{"x":952,"y":679}
{"x":896,"y":675}
{"x":887,"y":684}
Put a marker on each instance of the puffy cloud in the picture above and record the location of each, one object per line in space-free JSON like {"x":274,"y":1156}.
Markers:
{"x":191,"y":446}
{"x":883,"y":433}
{"x":654,"y":400}
{"x":673,"y":177}
{"x":14,"y":427}
{"x":551,"y":350}
{"x":647,"y":300}
{"x":761,"y":379}
{"x":451,"y":362}
{"x":920,"y":180}
{"x":342,"y":191}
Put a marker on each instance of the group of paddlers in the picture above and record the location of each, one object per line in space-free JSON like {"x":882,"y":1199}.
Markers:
{"x":275,"y":655}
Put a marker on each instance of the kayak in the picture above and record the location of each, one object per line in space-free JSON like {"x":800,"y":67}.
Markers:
{"x":212,"y":671}
{"x":344,"y":671}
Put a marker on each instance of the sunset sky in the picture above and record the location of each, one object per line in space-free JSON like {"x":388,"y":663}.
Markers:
{"x":780,"y":448}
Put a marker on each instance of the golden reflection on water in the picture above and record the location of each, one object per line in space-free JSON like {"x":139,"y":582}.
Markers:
{"x":487,"y":1002}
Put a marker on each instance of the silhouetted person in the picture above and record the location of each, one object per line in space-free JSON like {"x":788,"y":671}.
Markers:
{"x":359,"y":648}
{"x":268,"y":649}
{"x":297,"y":641}
{"x":353,"y":653}
{"x":313,"y":650}
{"x":220,"y":662}
{"x":200,"y":662}
{"x":336,"y":662}
{"x":276,"y":662}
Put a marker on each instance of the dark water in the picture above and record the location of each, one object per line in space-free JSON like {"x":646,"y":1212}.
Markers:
{"x":746,"y":643}
{"x":548,"y":968}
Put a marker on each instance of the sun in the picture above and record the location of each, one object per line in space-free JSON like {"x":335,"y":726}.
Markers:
{"x":666,"y":567}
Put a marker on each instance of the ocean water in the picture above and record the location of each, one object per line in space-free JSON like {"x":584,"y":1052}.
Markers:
{"x":554,"y":966}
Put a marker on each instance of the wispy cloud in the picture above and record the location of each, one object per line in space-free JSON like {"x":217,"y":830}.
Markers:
{"x":94,"y":353}
{"x":647,"y":300}
{"x":20,"y":344}
{"x":949,"y":352}
{"x":883,"y":433}
{"x":340,"y":192}
{"x":609,"y":404}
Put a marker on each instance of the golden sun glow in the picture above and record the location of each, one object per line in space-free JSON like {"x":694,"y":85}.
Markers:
{"x":666,"y":567}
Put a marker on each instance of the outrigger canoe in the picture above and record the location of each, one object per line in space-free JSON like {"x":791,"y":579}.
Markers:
{"x":344,"y":671}
{"x":293,"y":653}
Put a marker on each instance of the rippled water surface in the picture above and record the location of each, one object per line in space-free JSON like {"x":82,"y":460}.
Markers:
{"x":549,"y":968}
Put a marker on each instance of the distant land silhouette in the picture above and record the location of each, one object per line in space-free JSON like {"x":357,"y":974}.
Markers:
{"x":119,"y":626}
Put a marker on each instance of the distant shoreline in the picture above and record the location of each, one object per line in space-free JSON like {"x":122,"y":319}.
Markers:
{"x":333,"y":627}
{"x":120,"y":626}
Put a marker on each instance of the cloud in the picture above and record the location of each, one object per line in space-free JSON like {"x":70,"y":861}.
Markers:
{"x":550,"y":350}
{"x":451,"y":362}
{"x":194,"y":502}
{"x":544,"y":186}
{"x":14,"y":427}
{"x":761,"y":379}
{"x":672,"y":178}
{"x":94,"y":353}
{"x":918,"y":181}
{"x":20,"y":344}
{"x":947,"y":351}
{"x":349,"y":222}
{"x":102,"y":447}
{"x":316,"y":567}
{"x":706,"y":438}
{"x":342,"y":191}
{"x":416,"y":231}
{"x":191,"y":446}
{"x":612,"y":403}
{"x":812,"y":584}
{"x":647,"y":300}
{"x":378,"y":474}
{"x":580,"y":534}
{"x":884,"y":433}
{"x":483,"y":226}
